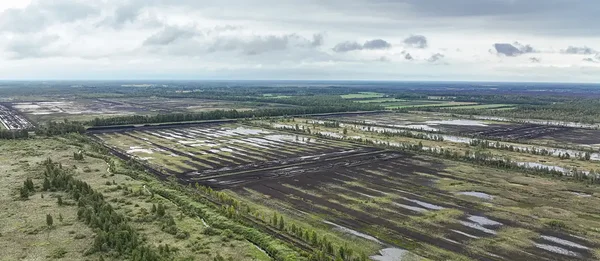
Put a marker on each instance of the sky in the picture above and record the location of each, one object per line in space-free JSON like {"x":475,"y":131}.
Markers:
{"x":404,"y":40}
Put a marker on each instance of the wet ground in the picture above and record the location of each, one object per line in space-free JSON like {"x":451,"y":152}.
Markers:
{"x":378,"y":195}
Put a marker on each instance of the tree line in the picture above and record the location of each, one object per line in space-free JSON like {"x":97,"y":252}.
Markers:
{"x":305,"y":105}
{"x":48,"y":129}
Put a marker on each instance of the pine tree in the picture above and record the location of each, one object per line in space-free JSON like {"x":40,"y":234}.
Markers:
{"x":24,"y":193}
{"x":281,"y":224}
{"x":46,"y":185}
{"x":160,"y":211}
{"x":49,"y":220}
{"x":29,"y":185}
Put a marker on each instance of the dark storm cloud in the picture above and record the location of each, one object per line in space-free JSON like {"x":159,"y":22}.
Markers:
{"x":578,"y":50}
{"x":317,"y":40}
{"x":169,"y":35}
{"x":375,"y":44}
{"x":436,"y":57}
{"x":347,"y":47}
{"x":524,"y":48}
{"x":507,"y":49}
{"x":512,"y":50}
{"x":416,"y":41}
{"x":594,"y":59}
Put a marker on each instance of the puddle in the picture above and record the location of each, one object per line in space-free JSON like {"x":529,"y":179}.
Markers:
{"x":563,"y":242}
{"x":476,"y":194}
{"x":456,"y":139}
{"x":204,"y":145}
{"x":282,"y":126}
{"x":148,"y":151}
{"x":186,"y":142}
{"x":418,"y":127}
{"x":395,"y":254}
{"x":331,"y":134}
{"x":161,"y":136}
{"x":352,"y":232}
{"x":406,"y":192}
{"x":478,"y":227}
{"x":366,"y":195}
{"x":555,"y":249}
{"x":459,"y":123}
{"x":534,"y":165}
{"x":250,"y":144}
{"x":261,"y":250}
{"x":543,"y":122}
{"x":378,"y":191}
{"x":264,"y":142}
{"x":579,"y":194}
{"x":172,"y":135}
{"x":424,"y":204}
{"x":484,"y":221}
{"x":464,"y":234}
{"x":416,"y":209}
{"x":242,"y":131}
{"x":289,"y":138}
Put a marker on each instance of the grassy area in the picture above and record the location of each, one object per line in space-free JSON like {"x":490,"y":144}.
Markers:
{"x":24,"y":232}
{"x":381,"y":100}
{"x":270,"y":95}
{"x":363,"y":95}
{"x":428,"y":104}
{"x":486,"y":106}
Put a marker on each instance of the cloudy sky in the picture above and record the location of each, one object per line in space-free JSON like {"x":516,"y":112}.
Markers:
{"x":478,"y":40}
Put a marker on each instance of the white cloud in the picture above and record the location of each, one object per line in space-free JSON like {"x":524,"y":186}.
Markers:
{"x":295,"y":39}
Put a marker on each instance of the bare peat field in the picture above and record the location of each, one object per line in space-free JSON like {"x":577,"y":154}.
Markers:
{"x":197,"y":153}
{"x":436,"y":209}
{"x":408,"y":202}
{"x":86,"y":109}
{"x":481,"y":128}
{"x":12,"y":120}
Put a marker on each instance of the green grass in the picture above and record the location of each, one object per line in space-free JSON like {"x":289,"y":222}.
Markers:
{"x":363,"y":95}
{"x":381,"y":100}
{"x":276,"y":96}
{"x":429,"y":104}
{"x":23,"y":228}
{"x":485,"y":106}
